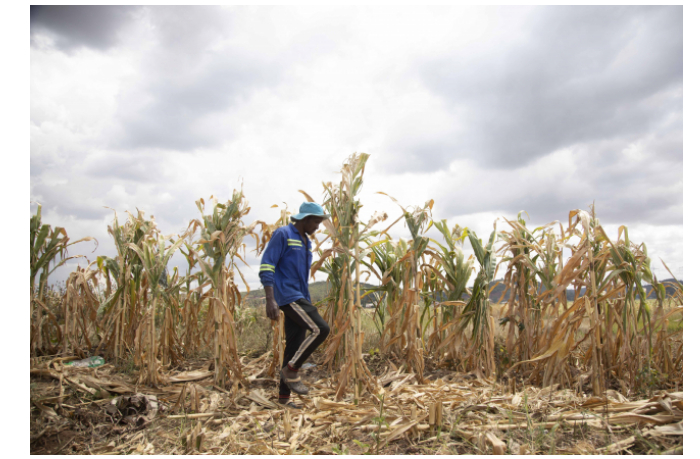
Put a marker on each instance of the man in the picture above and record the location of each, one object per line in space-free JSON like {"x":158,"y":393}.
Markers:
{"x":284,"y":272}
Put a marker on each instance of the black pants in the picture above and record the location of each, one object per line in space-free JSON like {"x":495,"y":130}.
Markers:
{"x":299,"y":317}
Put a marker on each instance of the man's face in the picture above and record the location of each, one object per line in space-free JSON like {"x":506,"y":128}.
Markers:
{"x":312,"y":224}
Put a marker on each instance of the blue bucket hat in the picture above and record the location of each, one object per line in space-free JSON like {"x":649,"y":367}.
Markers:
{"x":310,"y":209}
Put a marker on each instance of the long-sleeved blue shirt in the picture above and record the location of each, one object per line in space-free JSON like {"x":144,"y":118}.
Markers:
{"x":286,"y":265}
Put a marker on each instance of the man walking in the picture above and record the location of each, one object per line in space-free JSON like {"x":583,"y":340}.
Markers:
{"x":284,"y":273}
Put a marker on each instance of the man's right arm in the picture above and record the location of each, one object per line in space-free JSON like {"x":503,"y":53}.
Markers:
{"x":271,"y":307}
{"x":271,"y":257}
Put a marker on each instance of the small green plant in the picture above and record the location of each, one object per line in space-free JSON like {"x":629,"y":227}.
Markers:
{"x":651,"y":447}
{"x":340,"y":449}
{"x":534,"y":436}
{"x":125,"y":365}
{"x":181,"y":433}
{"x":454,"y":426}
{"x":527,"y":412}
{"x":365,"y":446}
{"x":647,"y":379}
{"x":538,"y":439}
{"x":553,"y":439}
{"x":379,"y":421}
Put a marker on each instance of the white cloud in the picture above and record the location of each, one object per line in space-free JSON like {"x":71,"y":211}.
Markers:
{"x":477,"y":108}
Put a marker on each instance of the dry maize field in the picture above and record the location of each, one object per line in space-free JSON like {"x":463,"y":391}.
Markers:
{"x":581,"y":354}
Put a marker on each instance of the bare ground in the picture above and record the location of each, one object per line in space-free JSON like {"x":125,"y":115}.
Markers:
{"x":95,"y":411}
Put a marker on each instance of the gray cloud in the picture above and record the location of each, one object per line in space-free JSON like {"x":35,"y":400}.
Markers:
{"x":186,"y":81}
{"x":76,"y":26}
{"x":81,"y":185}
{"x":580,"y":74}
{"x":172,"y":117}
{"x":64,"y":200}
{"x":140,"y":166}
{"x":632,"y":187}
{"x":37,"y":166}
{"x":560,"y":107}
{"x":87,"y":201}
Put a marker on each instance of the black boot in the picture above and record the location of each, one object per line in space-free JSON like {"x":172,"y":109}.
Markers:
{"x":293,"y":380}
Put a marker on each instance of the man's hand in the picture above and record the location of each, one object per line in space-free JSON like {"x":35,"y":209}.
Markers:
{"x":273,"y":311}
{"x":271,"y":307}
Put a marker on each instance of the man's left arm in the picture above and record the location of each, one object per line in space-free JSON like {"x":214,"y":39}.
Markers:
{"x":268,"y":264}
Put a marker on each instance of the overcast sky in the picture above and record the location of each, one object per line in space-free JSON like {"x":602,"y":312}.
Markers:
{"x":488,"y":111}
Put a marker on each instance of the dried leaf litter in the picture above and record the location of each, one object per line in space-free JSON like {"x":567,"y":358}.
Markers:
{"x":459,"y":406}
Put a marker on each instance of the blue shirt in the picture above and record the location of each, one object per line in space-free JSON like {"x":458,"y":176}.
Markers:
{"x":286,"y":265}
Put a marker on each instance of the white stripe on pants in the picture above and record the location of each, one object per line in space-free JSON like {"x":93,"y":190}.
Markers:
{"x":315,"y":331}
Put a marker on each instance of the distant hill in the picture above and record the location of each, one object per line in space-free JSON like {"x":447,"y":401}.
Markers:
{"x":670,"y":285}
{"x":317,"y":290}
{"x":497,"y":292}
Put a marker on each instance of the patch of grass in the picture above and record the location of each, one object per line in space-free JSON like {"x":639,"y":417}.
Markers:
{"x":254,"y":330}
{"x":125,"y":365}
{"x":675,"y":323}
